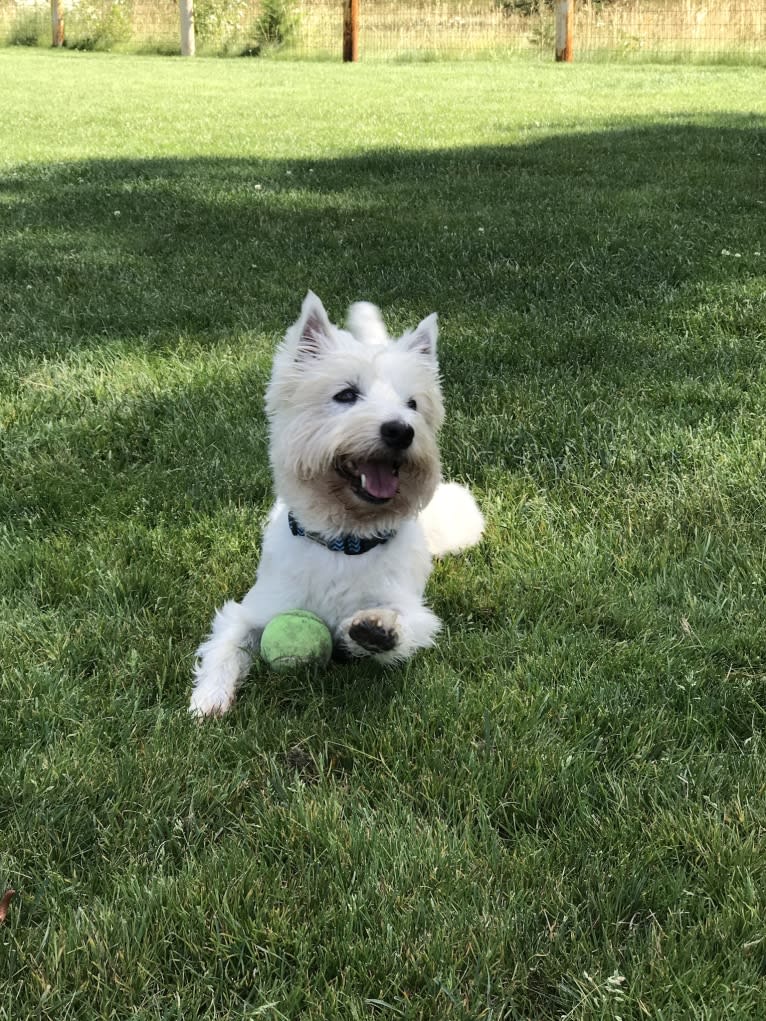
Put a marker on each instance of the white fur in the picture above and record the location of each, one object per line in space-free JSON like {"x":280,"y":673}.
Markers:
{"x":310,"y":435}
{"x":452,"y":522}
{"x":365,"y":322}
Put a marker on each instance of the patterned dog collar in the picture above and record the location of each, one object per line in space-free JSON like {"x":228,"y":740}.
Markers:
{"x":351,"y":545}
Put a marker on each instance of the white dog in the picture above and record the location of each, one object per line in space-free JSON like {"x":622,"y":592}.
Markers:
{"x":360,"y":507}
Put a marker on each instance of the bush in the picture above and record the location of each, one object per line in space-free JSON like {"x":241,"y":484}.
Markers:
{"x":277,"y":23}
{"x":99,"y":24}
{"x":217,"y":21}
{"x":29,"y":28}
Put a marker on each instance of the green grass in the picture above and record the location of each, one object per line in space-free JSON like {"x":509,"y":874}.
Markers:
{"x":559,"y":812}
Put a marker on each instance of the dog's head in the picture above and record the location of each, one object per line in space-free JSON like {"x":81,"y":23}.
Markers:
{"x":354,"y":417}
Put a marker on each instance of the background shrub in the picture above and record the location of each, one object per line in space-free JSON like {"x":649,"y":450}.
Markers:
{"x":30,"y":27}
{"x":216,"y":22}
{"x":277,"y":23}
{"x":99,"y":24}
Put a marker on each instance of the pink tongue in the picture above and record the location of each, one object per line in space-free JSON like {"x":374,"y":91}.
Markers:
{"x":379,"y":480}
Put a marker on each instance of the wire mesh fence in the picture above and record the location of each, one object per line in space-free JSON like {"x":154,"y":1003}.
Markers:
{"x":395,"y":29}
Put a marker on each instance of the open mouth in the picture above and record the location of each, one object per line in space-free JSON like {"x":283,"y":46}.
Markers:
{"x":373,"y":481}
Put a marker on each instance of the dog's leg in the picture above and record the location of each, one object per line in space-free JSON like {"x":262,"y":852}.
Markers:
{"x":224,"y":659}
{"x":390,"y":635}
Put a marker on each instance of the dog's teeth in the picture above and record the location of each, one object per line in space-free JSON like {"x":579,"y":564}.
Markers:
{"x":363,"y":480}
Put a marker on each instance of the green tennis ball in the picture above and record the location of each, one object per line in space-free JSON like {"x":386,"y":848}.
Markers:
{"x":295,"y":639}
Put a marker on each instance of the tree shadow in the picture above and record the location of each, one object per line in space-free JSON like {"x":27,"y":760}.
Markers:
{"x":578,"y":264}
{"x":574,"y":225}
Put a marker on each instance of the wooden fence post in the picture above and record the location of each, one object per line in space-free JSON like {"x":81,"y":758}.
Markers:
{"x":350,"y":30}
{"x":186,"y":8}
{"x":564,"y":15}
{"x":57,"y":22}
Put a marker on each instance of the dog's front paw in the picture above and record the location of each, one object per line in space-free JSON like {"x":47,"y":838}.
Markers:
{"x":209,"y":701}
{"x":375,"y":630}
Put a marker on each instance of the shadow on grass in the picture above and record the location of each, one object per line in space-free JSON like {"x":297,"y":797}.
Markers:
{"x":573,"y":269}
{"x":569,"y":273}
{"x":544,"y":260}
{"x":574,"y":226}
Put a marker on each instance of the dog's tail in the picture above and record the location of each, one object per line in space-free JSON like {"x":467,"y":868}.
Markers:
{"x":452,"y":520}
{"x":366,"y":323}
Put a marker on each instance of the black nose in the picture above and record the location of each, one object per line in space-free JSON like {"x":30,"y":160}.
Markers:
{"x":397,"y":434}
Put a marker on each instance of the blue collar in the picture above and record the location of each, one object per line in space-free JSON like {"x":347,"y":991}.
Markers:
{"x":351,"y":545}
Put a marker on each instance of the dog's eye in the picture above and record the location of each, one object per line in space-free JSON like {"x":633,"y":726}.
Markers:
{"x":412,"y":403}
{"x":347,"y":396}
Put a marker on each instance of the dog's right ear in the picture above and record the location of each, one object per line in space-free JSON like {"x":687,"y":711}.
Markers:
{"x":422,"y":340}
{"x":314,"y":330}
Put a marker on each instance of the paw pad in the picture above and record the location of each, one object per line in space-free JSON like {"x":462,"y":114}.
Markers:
{"x":372,"y":634}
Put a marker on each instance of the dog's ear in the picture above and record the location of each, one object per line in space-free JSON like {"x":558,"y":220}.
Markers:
{"x":422,"y":340}
{"x":314,"y":333}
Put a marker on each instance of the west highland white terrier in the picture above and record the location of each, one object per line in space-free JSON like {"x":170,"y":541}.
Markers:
{"x":360,"y":506}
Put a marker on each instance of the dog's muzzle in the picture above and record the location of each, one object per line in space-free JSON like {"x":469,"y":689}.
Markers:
{"x":374,"y":480}
{"x":397,"y":435}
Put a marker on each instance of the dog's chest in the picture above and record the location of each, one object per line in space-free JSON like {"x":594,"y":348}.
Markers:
{"x":335,"y":585}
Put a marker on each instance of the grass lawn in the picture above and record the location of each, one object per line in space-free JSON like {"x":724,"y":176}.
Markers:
{"x":559,"y":812}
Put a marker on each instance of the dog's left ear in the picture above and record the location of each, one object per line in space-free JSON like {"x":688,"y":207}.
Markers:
{"x":422,"y":340}
{"x":314,"y":330}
